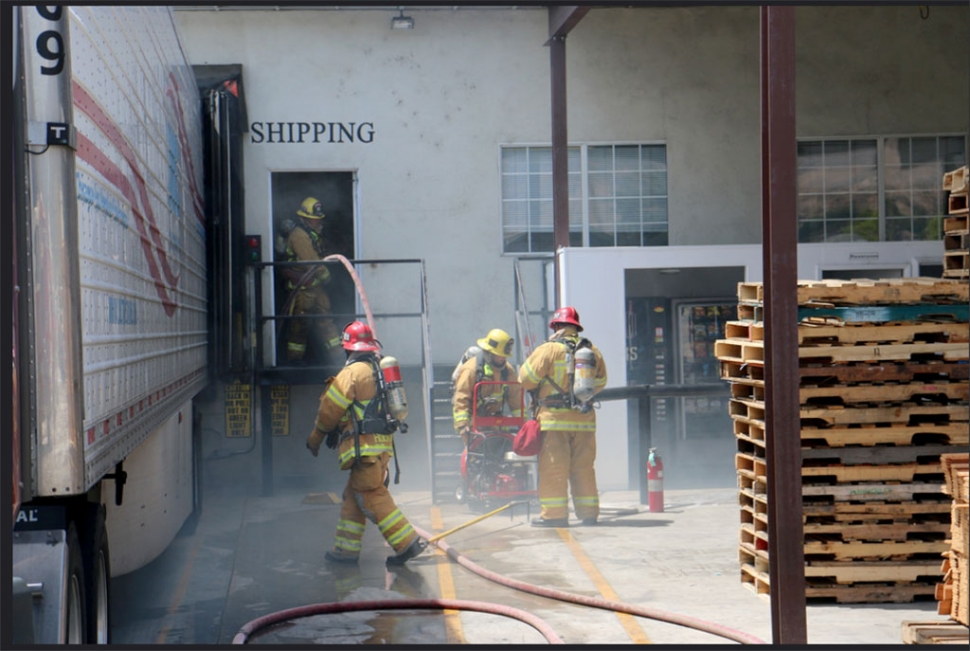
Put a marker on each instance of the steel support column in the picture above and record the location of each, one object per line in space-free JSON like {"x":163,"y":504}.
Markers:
{"x":786,"y":560}
{"x":560,"y":160}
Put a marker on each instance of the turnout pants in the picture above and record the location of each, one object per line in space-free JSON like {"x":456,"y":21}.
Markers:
{"x":366,"y":498}
{"x":566,"y":465}
{"x":309,"y":302}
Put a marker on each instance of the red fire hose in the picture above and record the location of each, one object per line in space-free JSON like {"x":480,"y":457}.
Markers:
{"x":396,"y":604}
{"x":595,"y":602}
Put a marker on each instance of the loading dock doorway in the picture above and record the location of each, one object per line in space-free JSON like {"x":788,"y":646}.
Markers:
{"x":336,"y":192}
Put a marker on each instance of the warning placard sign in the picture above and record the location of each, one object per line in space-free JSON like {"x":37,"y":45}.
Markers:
{"x":238,"y":400}
{"x":280,"y":404}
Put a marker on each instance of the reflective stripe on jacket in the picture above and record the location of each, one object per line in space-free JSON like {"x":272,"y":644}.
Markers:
{"x":548,"y":361}
{"x":355,"y":382}
{"x":490,"y":396}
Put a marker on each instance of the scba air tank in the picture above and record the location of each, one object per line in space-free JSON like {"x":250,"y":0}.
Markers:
{"x":397,"y":401}
{"x":584,"y":376}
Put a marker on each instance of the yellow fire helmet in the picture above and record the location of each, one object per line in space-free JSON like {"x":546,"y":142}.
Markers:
{"x":498,"y":342}
{"x":311,"y":209}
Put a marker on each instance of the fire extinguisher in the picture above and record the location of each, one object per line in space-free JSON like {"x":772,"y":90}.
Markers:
{"x":655,"y":482}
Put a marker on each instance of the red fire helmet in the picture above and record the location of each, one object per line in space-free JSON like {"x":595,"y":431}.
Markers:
{"x":565,"y":315}
{"x":359,"y":337}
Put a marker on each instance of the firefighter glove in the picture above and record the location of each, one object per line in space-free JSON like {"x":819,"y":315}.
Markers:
{"x":333,"y":438}
{"x":314,"y":440}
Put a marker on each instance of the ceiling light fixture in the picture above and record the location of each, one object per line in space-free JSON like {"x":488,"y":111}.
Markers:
{"x":401,"y":21}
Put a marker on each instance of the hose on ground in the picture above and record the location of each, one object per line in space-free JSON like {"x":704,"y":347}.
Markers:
{"x":595,"y":602}
{"x":395,"y":604}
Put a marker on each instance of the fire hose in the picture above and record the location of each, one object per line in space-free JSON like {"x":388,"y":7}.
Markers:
{"x":335,"y":257}
{"x":497,"y":609}
{"x":595,"y":602}
{"x":396,"y":604}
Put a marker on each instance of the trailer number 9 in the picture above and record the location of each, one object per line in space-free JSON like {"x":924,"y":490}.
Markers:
{"x":50,"y":44}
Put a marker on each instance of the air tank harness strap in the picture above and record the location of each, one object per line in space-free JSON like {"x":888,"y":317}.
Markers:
{"x":561,"y":399}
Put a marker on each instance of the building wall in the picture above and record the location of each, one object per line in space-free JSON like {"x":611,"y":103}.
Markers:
{"x":446,"y":95}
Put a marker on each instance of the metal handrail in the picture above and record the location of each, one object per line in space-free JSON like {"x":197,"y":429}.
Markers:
{"x":644,"y":394}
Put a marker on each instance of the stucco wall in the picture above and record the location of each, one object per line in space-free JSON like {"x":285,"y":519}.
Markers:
{"x":444,"y":96}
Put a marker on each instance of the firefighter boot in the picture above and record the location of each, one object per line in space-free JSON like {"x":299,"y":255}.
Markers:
{"x":416,"y":547}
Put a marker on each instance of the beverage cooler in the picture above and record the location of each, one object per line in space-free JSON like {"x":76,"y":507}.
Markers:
{"x":650,"y":358}
{"x":672,"y":342}
{"x":699,"y":323}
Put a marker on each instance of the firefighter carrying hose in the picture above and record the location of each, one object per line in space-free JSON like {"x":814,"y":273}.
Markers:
{"x":563,"y":374}
{"x":305,"y":242}
{"x":354,"y":417}
{"x":491,"y":366}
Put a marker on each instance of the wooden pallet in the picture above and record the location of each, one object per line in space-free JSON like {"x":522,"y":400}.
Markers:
{"x":888,"y":291}
{"x":883,"y":352}
{"x":901,"y":413}
{"x":852,"y":513}
{"x":813,"y":333}
{"x":884,"y":393}
{"x":880,"y":455}
{"x":956,"y":467}
{"x":855,"y":572}
{"x":869,"y":532}
{"x":955,"y":224}
{"x":957,"y":203}
{"x":902,"y":472}
{"x":871,"y":373}
{"x":873,"y":492}
{"x":865,"y":593}
{"x":956,"y":180}
{"x":939,"y":632}
{"x":954,"y":433}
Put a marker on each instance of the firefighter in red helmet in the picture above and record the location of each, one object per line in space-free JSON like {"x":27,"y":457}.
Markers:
{"x":351,"y":418}
{"x":567,"y":420}
{"x":308,"y":297}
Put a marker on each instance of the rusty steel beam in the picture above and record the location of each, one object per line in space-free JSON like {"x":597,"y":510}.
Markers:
{"x":562,"y":19}
{"x":786,"y":557}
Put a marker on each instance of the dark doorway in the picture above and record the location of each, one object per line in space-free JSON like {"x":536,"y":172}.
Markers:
{"x":335,"y":190}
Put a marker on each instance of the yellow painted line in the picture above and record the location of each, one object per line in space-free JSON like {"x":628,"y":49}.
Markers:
{"x":629,"y":622}
{"x":180,"y":589}
{"x":446,"y":584}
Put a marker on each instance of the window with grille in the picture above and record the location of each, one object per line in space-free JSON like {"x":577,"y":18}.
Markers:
{"x":874,"y":189}
{"x":617,"y":196}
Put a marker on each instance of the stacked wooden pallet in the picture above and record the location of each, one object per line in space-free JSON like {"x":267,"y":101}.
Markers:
{"x":884,"y":393}
{"x":955,"y":228}
{"x":952,"y":592}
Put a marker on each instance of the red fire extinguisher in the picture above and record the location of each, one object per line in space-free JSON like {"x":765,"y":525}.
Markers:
{"x":655,"y":482}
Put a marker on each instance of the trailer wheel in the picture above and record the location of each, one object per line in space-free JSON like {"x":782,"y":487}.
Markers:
{"x":74,"y":622}
{"x":97,"y":573}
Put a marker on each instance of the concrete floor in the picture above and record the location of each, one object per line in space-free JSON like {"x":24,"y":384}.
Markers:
{"x":250,"y":556}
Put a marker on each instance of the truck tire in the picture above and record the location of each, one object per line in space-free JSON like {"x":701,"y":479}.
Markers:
{"x":97,"y":572}
{"x":75,"y":621}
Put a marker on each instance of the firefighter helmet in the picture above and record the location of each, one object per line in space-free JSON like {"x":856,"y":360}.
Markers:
{"x":359,"y":337}
{"x":565,"y":316}
{"x":311,"y":209}
{"x":498,"y":342}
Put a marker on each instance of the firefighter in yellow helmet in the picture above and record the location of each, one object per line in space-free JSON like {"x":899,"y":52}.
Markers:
{"x":568,"y":424}
{"x":493,"y":399}
{"x":351,"y":419}
{"x":307,"y":295}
